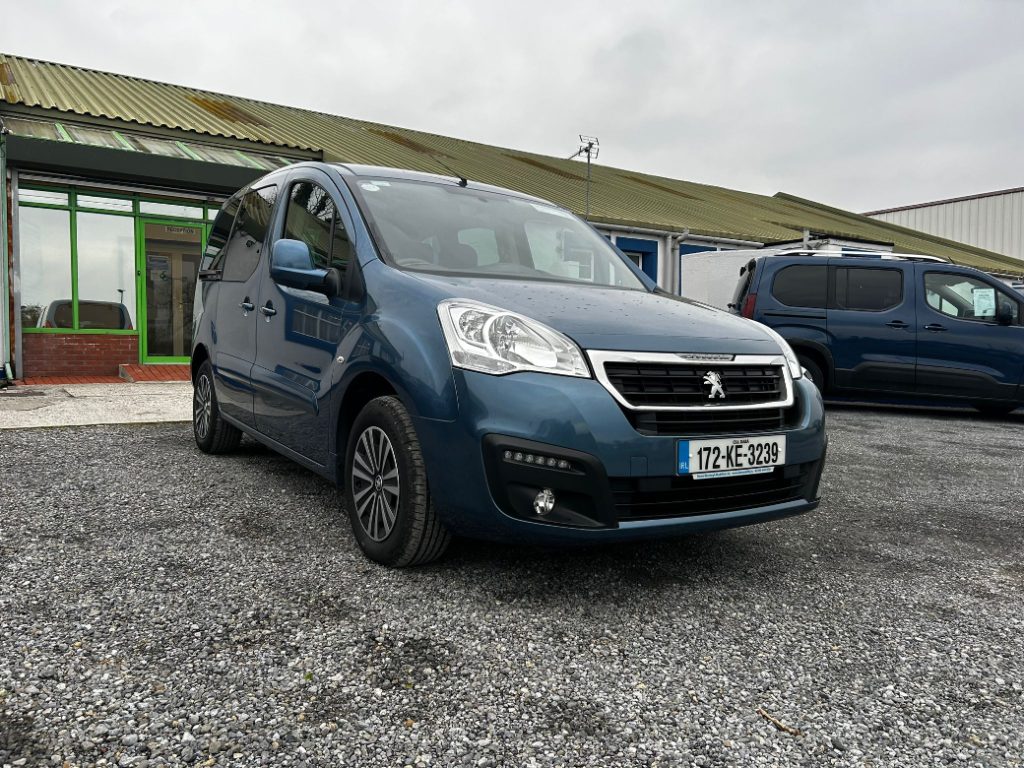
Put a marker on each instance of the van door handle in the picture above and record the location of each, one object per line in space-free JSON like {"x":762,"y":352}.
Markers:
{"x":246,"y":305}
{"x":268,"y":310}
{"x":934,"y":327}
{"x":898,"y":324}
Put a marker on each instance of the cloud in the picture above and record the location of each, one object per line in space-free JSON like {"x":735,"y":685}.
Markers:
{"x":862,"y":104}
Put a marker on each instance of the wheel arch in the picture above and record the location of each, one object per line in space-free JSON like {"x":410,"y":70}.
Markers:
{"x":819,"y":353}
{"x":199,"y":356}
{"x":364,"y":387}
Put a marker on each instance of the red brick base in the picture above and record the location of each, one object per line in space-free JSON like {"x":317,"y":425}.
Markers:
{"x":76,"y":354}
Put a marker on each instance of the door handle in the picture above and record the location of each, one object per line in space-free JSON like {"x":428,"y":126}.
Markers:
{"x":268,"y":310}
{"x":898,"y":324}
{"x":247,"y":306}
{"x":934,"y":327}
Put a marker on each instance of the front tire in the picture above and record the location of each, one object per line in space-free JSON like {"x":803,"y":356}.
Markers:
{"x":386,"y":493}
{"x":213,"y":434}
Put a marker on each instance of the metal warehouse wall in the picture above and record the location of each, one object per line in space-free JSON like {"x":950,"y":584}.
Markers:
{"x":994,"y":222}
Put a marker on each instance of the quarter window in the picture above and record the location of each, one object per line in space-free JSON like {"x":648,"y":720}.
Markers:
{"x":868,"y":289}
{"x":312,"y":217}
{"x":967,"y":298}
{"x":801,"y":285}
{"x":219,"y":234}
{"x":246,"y":242}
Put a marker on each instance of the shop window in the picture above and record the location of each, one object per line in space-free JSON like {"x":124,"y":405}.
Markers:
{"x":42,"y":197}
{"x":34,"y":129}
{"x":122,"y":205}
{"x":106,"y":271}
{"x":45,"y":266}
{"x":157,"y":146}
{"x":94,"y":137}
{"x":171,"y":209}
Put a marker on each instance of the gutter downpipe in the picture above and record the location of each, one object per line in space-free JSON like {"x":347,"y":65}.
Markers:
{"x":672,"y":242}
{"x":6,"y":374}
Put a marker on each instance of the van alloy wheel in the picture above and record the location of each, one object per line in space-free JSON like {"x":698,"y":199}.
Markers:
{"x":211,"y":432}
{"x":202,"y":405}
{"x":386,"y":495}
{"x":376,"y":486}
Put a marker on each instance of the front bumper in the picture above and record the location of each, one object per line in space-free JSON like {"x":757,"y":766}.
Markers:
{"x":619,"y":484}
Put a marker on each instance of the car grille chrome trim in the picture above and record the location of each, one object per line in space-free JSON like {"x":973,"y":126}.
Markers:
{"x":598,"y":358}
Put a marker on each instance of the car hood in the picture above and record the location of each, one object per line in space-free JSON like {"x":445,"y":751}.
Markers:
{"x":613,"y":318}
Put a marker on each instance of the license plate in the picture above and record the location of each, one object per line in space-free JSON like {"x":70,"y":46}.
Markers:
{"x":731,"y":456}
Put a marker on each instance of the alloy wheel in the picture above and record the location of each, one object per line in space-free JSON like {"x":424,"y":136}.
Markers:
{"x":202,"y":407}
{"x":375,"y":483}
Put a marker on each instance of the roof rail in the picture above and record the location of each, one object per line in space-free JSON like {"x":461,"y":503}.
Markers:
{"x":865,"y":254}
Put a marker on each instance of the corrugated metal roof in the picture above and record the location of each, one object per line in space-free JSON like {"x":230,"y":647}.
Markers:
{"x":618,"y":197}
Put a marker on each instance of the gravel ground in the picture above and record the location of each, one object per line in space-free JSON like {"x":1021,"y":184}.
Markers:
{"x":161,"y":607}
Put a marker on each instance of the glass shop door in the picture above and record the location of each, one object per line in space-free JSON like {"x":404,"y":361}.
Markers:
{"x":169,"y":270}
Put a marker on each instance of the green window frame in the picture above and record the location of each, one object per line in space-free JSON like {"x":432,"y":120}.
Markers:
{"x":73,"y":207}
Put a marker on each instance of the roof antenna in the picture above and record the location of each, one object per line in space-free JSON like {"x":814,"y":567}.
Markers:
{"x":459,"y":176}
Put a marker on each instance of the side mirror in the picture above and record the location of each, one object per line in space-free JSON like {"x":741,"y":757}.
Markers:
{"x":1004,"y":313}
{"x":291,"y":264}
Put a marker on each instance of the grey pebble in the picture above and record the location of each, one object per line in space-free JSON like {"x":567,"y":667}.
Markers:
{"x":159,"y":607}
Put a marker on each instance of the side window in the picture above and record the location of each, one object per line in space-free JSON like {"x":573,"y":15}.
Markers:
{"x":245,"y":245}
{"x":313,"y":218}
{"x":802,"y":285}
{"x":967,"y":298}
{"x":868,"y":289}
{"x":213,"y":258}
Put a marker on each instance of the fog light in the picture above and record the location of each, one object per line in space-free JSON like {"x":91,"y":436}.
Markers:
{"x":544,"y":502}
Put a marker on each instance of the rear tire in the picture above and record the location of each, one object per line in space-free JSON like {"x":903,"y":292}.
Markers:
{"x":386,"y":493}
{"x":996,"y":409}
{"x":213,"y":434}
{"x":814,"y":372}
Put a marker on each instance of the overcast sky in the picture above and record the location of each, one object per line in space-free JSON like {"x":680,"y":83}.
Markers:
{"x":860,"y":104}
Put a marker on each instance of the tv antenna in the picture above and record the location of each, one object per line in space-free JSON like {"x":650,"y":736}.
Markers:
{"x":591,"y":147}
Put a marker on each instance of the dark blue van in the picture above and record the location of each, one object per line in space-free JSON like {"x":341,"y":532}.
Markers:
{"x":885,"y":324}
{"x":466,"y":360}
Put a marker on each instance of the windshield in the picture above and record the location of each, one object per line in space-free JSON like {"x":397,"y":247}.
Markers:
{"x":443,"y":229}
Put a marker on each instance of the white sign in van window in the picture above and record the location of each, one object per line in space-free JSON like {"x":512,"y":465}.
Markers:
{"x":984,"y":302}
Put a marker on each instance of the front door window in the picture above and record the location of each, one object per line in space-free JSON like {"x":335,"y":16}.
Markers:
{"x":172,"y":254}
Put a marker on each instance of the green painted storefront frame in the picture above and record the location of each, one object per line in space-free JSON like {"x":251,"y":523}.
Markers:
{"x":140,"y":219}
{"x":140,"y":277}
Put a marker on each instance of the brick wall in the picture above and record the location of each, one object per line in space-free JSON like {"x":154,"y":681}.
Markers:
{"x":85,"y":354}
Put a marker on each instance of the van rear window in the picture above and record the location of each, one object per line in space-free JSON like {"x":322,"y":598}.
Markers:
{"x":801,"y":285}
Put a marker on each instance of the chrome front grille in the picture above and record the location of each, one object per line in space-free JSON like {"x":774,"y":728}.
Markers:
{"x":662,"y":381}
{"x":652,"y":385}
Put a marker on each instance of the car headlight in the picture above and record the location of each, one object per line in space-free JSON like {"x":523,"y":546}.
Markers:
{"x":492,"y":340}
{"x":795,"y":369}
